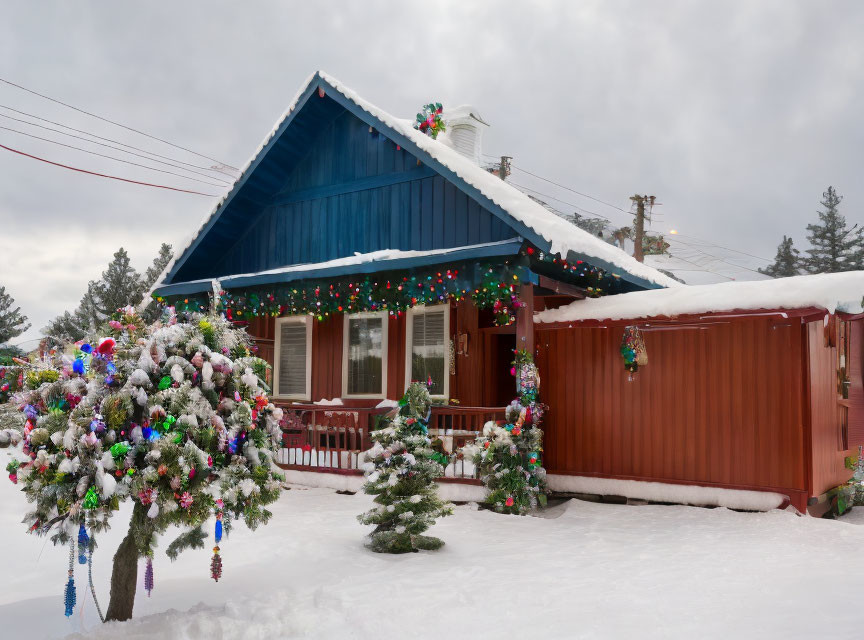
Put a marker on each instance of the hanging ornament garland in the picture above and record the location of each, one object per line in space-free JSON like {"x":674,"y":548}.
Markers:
{"x":69,"y":596}
{"x":429,"y":120}
{"x":216,"y":562}
{"x":633,"y":351}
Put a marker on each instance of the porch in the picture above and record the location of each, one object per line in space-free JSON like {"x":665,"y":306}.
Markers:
{"x":332,"y":439}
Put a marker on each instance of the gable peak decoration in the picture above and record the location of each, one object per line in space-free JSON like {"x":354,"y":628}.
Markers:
{"x":429,"y":120}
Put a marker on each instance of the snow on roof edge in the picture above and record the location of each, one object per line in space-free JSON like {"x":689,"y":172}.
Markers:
{"x":552,"y":227}
{"x":833,"y":292}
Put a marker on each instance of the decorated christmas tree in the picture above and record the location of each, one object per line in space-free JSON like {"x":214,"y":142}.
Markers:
{"x":403,"y":479}
{"x":509,"y":456}
{"x":172,"y":417}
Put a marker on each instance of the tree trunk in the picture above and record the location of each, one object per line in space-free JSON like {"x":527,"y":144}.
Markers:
{"x":124,"y":575}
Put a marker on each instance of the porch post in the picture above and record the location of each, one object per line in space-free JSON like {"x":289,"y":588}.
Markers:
{"x":525,"y":319}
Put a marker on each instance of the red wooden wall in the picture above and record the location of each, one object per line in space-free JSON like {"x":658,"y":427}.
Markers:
{"x":855,"y":369}
{"x":717,"y":405}
{"x":828,"y":456}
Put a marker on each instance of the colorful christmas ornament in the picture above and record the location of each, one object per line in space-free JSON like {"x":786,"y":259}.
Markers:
{"x":429,"y":120}
{"x":148,"y":576}
{"x":83,"y":544}
{"x":91,"y":499}
{"x":216,"y":564}
{"x":633,"y":350}
{"x":69,"y":596}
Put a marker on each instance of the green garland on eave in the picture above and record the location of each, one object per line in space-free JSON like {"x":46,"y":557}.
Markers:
{"x":490,"y":285}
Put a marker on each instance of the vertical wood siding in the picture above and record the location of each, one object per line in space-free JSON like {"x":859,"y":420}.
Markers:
{"x":856,"y":386}
{"x":423,"y":213}
{"x":715,"y":405}
{"x":828,"y":456}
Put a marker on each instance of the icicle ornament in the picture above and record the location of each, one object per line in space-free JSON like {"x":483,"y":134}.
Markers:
{"x":83,"y":543}
{"x":69,"y":596}
{"x":148,"y":576}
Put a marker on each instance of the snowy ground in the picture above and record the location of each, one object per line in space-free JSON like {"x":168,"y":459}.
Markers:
{"x":584,"y":570}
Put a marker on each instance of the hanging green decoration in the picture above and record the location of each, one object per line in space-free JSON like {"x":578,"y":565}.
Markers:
{"x":633,"y":351}
{"x":91,"y":499}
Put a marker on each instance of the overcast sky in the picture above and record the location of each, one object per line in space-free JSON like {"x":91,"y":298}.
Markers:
{"x":736,"y":115}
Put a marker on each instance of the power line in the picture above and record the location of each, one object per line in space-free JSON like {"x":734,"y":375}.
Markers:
{"x":708,"y":242}
{"x":102,"y":144}
{"x":116,"y":124}
{"x":719,"y":258}
{"x":550,"y":197}
{"x":122,"y":144}
{"x":702,"y":268}
{"x":579,"y":193}
{"x":103,"y":175}
{"x":620,"y":209}
{"x":102,"y":155}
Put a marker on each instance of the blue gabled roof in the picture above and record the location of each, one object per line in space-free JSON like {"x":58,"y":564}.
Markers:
{"x":308,"y":116}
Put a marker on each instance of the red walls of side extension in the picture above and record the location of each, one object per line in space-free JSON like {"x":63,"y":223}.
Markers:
{"x":828,"y":455}
{"x":719,"y":404}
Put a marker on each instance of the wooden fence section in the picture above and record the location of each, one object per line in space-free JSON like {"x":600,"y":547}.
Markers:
{"x":334,"y":438}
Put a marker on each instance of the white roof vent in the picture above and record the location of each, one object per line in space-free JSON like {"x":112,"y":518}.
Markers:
{"x":464,"y":131}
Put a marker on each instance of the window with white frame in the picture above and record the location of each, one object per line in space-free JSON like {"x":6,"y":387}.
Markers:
{"x":427,"y":348}
{"x":293,"y":357}
{"x":364,"y":355}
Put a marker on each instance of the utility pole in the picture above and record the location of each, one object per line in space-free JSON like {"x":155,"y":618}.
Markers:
{"x":504,"y":167}
{"x":639,"y":233}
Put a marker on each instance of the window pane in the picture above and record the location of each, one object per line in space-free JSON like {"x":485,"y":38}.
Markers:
{"x":428,"y":350}
{"x":292,"y":359}
{"x":365,"y":355}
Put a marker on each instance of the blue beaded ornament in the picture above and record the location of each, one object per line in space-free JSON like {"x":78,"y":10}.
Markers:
{"x":83,"y":543}
{"x":69,"y":596}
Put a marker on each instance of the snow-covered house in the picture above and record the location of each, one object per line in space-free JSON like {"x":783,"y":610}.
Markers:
{"x":364,"y":254}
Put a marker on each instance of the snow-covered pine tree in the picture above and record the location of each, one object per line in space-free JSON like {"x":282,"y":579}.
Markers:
{"x":403,"y":479}
{"x":834,"y":246}
{"x":151,"y":310}
{"x":172,"y":417}
{"x":12,"y":322}
{"x":786,"y":263}
{"x":120,"y":285}
{"x":158,"y":266}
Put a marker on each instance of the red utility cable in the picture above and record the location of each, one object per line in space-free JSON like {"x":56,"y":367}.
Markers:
{"x":103,"y":175}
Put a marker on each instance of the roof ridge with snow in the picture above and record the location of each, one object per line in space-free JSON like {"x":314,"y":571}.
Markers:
{"x":562,"y":236}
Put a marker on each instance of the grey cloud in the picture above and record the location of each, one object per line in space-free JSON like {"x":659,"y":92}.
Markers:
{"x":736,"y":115}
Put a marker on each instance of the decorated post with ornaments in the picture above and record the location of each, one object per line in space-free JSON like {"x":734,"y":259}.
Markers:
{"x":402,"y":479}
{"x":173,"y":417}
{"x":509,"y":456}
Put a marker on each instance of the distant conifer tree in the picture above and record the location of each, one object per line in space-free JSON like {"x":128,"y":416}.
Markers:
{"x":834,"y":246}
{"x":786,"y":263}
{"x":12,"y":322}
